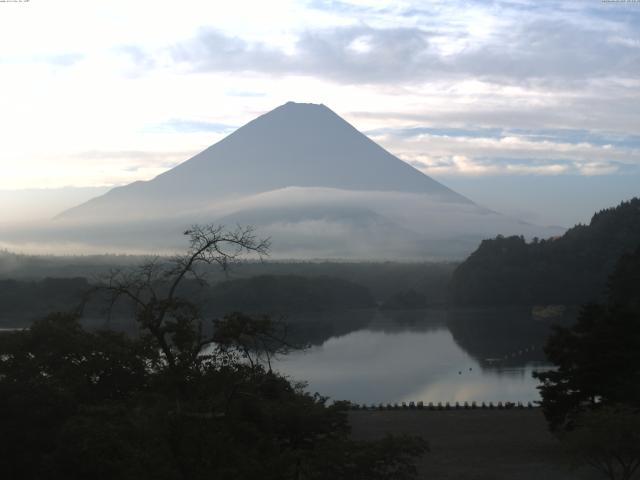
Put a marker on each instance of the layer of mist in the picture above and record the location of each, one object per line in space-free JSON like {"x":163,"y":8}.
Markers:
{"x":303,"y":223}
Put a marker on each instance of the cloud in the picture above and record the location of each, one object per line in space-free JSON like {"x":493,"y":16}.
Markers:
{"x":377,"y":42}
{"x":345,"y":54}
{"x":507,"y":86}
{"x":550,"y":44}
{"x":606,"y":140}
{"x":463,"y":165}
{"x":552,"y":50}
{"x":596,"y":168}
{"x":190,"y":126}
{"x":212,"y":50}
{"x":53,"y":59}
{"x":452,"y":151}
{"x":368,"y":55}
{"x":138,"y":60}
{"x":245,"y":93}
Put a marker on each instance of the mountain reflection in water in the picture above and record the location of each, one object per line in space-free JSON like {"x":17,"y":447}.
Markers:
{"x":429,"y":355}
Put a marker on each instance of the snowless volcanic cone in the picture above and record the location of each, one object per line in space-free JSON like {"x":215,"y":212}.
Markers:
{"x":311,"y":181}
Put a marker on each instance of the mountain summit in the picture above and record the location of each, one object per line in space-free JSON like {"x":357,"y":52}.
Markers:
{"x":294,"y":145}
{"x":311,"y":181}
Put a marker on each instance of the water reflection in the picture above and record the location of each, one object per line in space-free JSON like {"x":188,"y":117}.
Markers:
{"x":373,"y":356}
{"x":499,"y":338}
{"x":433,"y":356}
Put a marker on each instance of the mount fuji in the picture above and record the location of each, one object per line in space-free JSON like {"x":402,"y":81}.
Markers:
{"x":308,"y":179}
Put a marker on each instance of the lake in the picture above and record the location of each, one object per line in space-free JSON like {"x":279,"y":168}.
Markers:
{"x":373,"y":356}
{"x":430,"y":356}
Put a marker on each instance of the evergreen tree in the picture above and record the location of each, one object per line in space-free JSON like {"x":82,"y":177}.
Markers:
{"x":598,"y":359}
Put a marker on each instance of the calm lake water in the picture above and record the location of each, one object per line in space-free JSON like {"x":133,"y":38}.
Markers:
{"x":429,"y":356}
{"x":372,"y":357}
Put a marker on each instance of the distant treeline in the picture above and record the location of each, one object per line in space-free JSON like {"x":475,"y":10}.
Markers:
{"x":571,"y":269}
{"x":383,"y":280}
{"x":401,"y":286}
{"x":23,"y":300}
{"x":293,"y":292}
{"x":32,"y":286}
{"x":35,"y":267}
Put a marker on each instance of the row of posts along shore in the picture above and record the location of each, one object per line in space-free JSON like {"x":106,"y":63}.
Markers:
{"x":444,"y":406}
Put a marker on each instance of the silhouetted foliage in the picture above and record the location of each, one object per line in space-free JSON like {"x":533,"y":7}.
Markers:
{"x":175,"y":402}
{"x":608,"y":440}
{"x":597,"y":359}
{"x":571,"y":269}
{"x":56,"y":371}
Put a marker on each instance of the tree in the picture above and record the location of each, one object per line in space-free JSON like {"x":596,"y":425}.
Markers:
{"x":597,"y":358}
{"x":608,"y":440}
{"x":592,"y":399}
{"x":179,"y":401}
{"x":56,"y":372}
{"x":571,"y":269}
{"x":153,"y":288}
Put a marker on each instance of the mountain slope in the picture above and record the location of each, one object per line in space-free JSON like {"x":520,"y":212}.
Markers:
{"x":309,"y":180}
{"x":301,"y":145}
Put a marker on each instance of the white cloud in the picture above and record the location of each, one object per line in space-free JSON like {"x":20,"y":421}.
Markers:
{"x":361,"y":44}
{"x":596,"y":168}
{"x":462,"y":165}
{"x":81,"y":76}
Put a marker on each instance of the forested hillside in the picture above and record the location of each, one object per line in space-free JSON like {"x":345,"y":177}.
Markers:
{"x":571,"y":269}
{"x":291,"y":292}
{"x":32,"y":286}
{"x":23,"y":301}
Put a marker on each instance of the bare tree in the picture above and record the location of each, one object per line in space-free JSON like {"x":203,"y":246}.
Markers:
{"x":257,"y":339}
{"x":153,"y":288}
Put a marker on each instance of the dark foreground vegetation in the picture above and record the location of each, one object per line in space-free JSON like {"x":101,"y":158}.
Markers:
{"x":78,"y":405}
{"x":175,"y":402}
{"x":571,"y":269}
{"x":592,"y":399}
{"x":186,"y":398}
{"x":598,"y":357}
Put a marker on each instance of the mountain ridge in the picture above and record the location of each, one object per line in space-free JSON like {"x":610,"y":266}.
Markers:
{"x":308,"y":179}
{"x":301,"y":145}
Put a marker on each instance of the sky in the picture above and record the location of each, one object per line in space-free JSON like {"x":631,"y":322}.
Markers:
{"x":529,"y":107}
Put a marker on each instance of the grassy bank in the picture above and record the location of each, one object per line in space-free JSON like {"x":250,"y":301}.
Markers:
{"x":475,"y":444}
